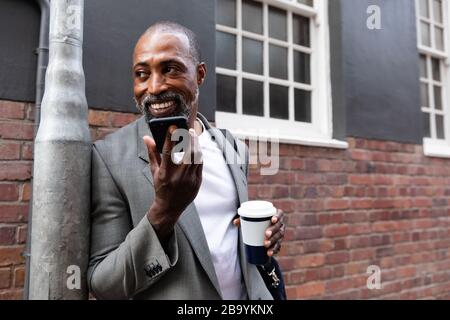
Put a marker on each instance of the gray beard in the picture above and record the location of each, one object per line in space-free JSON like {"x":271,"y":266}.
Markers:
{"x":181,"y":110}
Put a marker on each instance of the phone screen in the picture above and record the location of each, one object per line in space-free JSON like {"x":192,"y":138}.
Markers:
{"x":159,"y":127}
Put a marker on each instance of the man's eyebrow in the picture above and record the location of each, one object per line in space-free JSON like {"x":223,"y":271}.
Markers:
{"x":140,"y":64}
{"x":165,"y":62}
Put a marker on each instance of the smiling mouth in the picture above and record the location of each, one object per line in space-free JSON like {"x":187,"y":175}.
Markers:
{"x":162,"y":105}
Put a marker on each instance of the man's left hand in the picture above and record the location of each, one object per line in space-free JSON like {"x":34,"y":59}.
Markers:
{"x":274,"y":234}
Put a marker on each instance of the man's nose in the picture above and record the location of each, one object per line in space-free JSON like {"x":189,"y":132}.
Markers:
{"x":156,"y":84}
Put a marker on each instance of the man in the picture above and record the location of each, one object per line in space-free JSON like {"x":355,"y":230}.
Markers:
{"x":162,"y":230}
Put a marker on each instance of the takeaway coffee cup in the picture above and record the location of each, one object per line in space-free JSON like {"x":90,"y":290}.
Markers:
{"x":255,"y":219}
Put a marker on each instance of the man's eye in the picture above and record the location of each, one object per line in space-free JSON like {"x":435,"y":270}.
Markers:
{"x":141,"y":74}
{"x":171,"y":69}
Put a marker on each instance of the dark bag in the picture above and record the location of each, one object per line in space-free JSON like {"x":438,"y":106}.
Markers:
{"x":270,"y":272}
{"x":273,"y":278}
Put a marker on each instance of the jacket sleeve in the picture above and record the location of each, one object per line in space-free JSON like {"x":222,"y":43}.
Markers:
{"x":123,"y":260}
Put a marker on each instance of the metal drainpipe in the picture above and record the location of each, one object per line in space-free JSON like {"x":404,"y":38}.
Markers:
{"x":42,"y":61}
{"x":62,"y":165}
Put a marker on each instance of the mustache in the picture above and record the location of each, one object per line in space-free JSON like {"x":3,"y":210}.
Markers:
{"x":160,"y":98}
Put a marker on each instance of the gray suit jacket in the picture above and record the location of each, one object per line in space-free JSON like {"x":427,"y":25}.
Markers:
{"x":127,"y":261}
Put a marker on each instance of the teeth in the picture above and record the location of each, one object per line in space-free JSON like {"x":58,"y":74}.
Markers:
{"x":159,"y":106}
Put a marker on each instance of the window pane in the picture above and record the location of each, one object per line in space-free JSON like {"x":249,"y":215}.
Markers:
{"x":300,"y":30}
{"x":425,"y":32}
{"x":437,"y":9}
{"x":437,"y":98}
{"x":439,"y":33}
{"x":424,"y":12}
{"x":252,"y":56}
{"x":226,"y":93}
{"x":226,"y":50}
{"x":436,"y":69}
{"x":440,"y":127}
{"x":279,"y":102}
{"x":424,"y":95}
{"x":278,"y":62}
{"x":301,"y":67}
{"x":302,"y":105}
{"x":423,"y":66}
{"x":277,"y":24}
{"x":226,"y":12}
{"x":426,"y":125}
{"x":253,"y":98}
{"x":307,"y":2}
{"x":252,"y":16}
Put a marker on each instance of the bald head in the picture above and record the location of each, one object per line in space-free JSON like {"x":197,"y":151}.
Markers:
{"x":172,"y":27}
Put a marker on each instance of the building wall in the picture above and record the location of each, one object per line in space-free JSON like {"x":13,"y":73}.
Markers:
{"x":378,"y":203}
{"x":375,"y":73}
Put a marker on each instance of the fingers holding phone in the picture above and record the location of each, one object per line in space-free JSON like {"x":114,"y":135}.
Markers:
{"x":176,"y":185}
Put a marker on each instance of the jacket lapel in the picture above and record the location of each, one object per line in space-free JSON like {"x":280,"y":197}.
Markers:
{"x":189,"y":220}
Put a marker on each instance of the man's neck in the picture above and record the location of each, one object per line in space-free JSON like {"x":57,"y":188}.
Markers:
{"x":198,"y":127}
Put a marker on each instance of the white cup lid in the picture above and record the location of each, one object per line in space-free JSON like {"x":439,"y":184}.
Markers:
{"x":257,"y":209}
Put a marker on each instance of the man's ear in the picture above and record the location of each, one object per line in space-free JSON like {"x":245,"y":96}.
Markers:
{"x":201,"y":73}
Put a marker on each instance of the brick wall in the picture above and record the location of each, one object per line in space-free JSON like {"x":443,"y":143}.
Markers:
{"x":377,"y":203}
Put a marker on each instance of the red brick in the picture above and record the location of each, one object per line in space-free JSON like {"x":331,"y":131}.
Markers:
{"x":11,"y":255}
{"x":360,"y":228}
{"x":359,"y":155}
{"x":308,"y":178}
{"x":356,"y":268}
{"x":12,"y":110}
{"x":336,"y":231}
{"x":384,"y":226}
{"x":122,"y":119}
{"x":406,"y":272}
{"x":14,"y":212}
{"x":19,"y":277}
{"x":341,"y":244}
{"x":382,"y":180}
{"x":7,"y":235}
{"x":286,"y":205}
{"x":9,"y":192}
{"x":297,"y":164}
{"x":303,"y":233}
{"x":360,"y":179}
{"x":9,"y":151}
{"x":310,"y":260}
{"x":310,"y":290}
{"x":5,"y":278}
{"x":291,"y":293}
{"x":16,"y":131}
{"x":280,"y":192}
{"x":383,"y":203}
{"x":15,"y":171}
{"x":27,"y":151}
{"x":11,"y":295}
{"x":103,"y":132}
{"x":26,"y":191}
{"x":362,"y":254}
{"x":22,"y":234}
{"x":99,"y":118}
{"x":337,"y":257}
{"x":336,"y":204}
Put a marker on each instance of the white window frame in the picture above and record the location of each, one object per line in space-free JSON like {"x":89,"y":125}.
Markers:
{"x":433,"y":147}
{"x":320,"y":131}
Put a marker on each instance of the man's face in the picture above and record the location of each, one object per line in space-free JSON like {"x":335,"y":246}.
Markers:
{"x":166,"y":78}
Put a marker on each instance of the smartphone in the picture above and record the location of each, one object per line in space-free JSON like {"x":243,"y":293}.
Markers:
{"x":159,"y":127}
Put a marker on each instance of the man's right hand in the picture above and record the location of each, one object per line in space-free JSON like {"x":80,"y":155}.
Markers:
{"x":176,"y":185}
